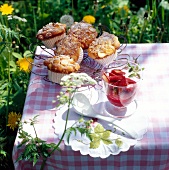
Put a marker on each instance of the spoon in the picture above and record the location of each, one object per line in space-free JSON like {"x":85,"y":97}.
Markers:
{"x":83,"y":107}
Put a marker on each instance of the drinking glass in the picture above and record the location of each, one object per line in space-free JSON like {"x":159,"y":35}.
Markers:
{"x":121,"y":83}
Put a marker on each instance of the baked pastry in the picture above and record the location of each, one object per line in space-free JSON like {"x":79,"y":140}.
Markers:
{"x":59,"y":66}
{"x":104,"y":48}
{"x":51,"y":33}
{"x":70,"y":45}
{"x":84,"y":32}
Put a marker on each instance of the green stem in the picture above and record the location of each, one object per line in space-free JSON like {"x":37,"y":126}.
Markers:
{"x":148,"y":4}
{"x":34,"y":19}
{"x":2,"y":21}
{"x":8,"y":87}
{"x":41,"y":10}
{"x":162,"y":14}
{"x":35,"y":131}
{"x":162,"y":34}
{"x":154,"y":8}
{"x":72,"y":8}
{"x":6,"y":21}
{"x":95,"y":7}
{"x":143,"y":28}
{"x":65,"y":128}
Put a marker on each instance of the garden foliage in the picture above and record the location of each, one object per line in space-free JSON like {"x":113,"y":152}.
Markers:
{"x":146,"y":22}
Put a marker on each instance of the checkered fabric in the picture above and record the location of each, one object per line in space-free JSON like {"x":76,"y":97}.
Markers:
{"x":150,"y":153}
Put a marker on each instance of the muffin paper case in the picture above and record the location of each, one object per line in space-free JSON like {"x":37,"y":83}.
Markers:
{"x":107,"y":60}
{"x":80,"y":56}
{"x":50,"y":43}
{"x":55,"y":77}
{"x":85,"y":51}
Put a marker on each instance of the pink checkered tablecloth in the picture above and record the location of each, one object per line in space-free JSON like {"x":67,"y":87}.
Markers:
{"x":150,"y":153}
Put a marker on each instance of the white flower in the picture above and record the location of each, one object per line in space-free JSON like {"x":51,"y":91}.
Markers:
{"x":67,"y":19}
{"x":9,"y":17}
{"x":164,"y":4}
{"x":77,"y":79}
{"x":16,"y":17}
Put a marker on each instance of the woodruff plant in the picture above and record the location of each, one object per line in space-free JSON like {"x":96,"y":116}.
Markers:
{"x":34,"y":147}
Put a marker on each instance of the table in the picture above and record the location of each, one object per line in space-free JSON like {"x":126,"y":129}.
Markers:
{"x":150,"y":153}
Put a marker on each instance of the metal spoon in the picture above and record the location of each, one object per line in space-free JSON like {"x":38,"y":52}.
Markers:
{"x":83,"y":107}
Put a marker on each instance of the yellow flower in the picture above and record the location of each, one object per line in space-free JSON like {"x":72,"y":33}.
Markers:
{"x":6,"y":9}
{"x":13,"y":119}
{"x":25,"y":64}
{"x":124,"y":10}
{"x":103,"y":6}
{"x":89,"y":19}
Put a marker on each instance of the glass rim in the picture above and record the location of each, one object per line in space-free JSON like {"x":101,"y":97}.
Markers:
{"x":107,"y":66}
{"x":126,"y":61}
{"x":134,"y":84}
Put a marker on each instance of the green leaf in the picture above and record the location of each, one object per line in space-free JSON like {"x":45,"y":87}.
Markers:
{"x":137,"y":68}
{"x":99,"y":128}
{"x":27,"y":53}
{"x":100,"y":134}
{"x":12,"y":64}
{"x":82,"y":130}
{"x":131,"y":69}
{"x":2,"y":152}
{"x":19,"y":158}
{"x":3,"y":85}
{"x":25,"y":140}
{"x":35,"y":158}
{"x":34,"y":120}
{"x":138,"y":75}
{"x":95,"y":144}
{"x":38,"y":140}
{"x":132,"y":75}
{"x":107,"y":141}
{"x":3,"y":139}
{"x":95,"y":137}
{"x":69,"y":132}
{"x":119,"y":142}
{"x":45,"y":154}
{"x":106,"y":134}
{"x":17,"y":55}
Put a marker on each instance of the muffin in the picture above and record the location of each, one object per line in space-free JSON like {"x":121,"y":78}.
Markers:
{"x":84,"y":32}
{"x":59,"y":66}
{"x":104,"y":48}
{"x":70,"y":45}
{"x":51,"y":33}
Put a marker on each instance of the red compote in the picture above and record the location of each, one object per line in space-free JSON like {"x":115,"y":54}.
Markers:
{"x":120,"y":89}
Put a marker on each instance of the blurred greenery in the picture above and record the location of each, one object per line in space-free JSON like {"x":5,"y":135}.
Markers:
{"x":144,"y":21}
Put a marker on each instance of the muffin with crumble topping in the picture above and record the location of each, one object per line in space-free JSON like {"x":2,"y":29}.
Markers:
{"x":84,"y":32}
{"x":104,"y":48}
{"x":59,"y":66}
{"x":51,"y":33}
{"x":70,"y":45}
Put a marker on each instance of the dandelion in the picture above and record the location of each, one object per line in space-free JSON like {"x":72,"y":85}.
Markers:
{"x":102,"y":7}
{"x":124,"y":10}
{"x":13,"y":119}
{"x":25,"y":64}
{"x":6,"y":9}
{"x":67,"y":19}
{"x":89,"y":19}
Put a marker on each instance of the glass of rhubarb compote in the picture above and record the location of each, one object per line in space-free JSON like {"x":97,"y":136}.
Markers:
{"x":121,"y":79}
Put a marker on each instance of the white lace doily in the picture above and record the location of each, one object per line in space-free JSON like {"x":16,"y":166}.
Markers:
{"x":138,"y":122}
